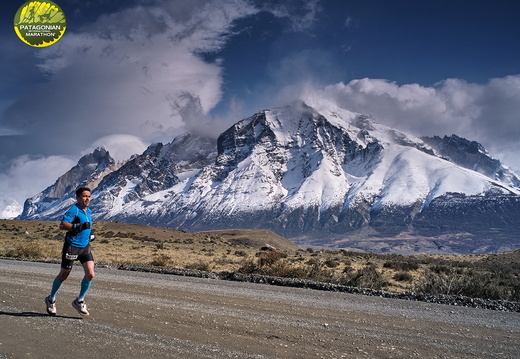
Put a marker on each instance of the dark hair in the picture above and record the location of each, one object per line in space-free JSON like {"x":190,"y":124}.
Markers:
{"x":80,"y":190}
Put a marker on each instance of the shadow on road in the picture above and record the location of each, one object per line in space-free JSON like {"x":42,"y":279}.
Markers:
{"x":34,"y":314}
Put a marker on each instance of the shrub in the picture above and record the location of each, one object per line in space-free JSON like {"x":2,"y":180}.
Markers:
{"x":203,"y":266}
{"x":404,"y":265}
{"x":223,"y":260}
{"x":317,"y":273}
{"x":270,"y":258}
{"x":331,"y":263}
{"x":348,"y":269}
{"x":403,"y":277}
{"x":8,"y":252}
{"x":248,"y":266}
{"x":283,"y":269}
{"x":367,"y":277}
{"x":28,"y":250}
{"x":160,"y":260}
{"x":313,"y":262}
{"x":457,"y":281}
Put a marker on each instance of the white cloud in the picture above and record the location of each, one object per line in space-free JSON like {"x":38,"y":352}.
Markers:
{"x":119,"y":87}
{"x":128,"y":73}
{"x":489,"y":114}
{"x":301,"y":14}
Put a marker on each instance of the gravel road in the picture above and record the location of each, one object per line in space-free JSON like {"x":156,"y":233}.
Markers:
{"x":139,"y":315}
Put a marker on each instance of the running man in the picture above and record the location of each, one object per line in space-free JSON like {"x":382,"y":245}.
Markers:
{"x":77,"y":222}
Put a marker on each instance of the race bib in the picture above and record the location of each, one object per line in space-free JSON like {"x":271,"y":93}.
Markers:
{"x":71,"y":256}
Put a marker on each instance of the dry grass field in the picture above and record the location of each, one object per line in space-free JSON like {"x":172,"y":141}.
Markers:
{"x":489,"y":276}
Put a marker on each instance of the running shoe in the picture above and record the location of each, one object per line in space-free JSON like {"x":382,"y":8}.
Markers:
{"x":81,"y":307}
{"x":50,"y":306}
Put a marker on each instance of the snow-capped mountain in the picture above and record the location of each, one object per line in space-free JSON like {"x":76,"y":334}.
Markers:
{"x":472,"y":155}
{"x":89,"y":171}
{"x":158,"y":168}
{"x":10,"y":209}
{"x":155,"y":172}
{"x":320,"y":176}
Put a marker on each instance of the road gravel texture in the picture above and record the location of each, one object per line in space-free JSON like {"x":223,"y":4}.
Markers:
{"x":140,"y":315}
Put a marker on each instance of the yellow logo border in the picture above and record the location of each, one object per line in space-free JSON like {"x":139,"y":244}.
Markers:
{"x":40,"y":23}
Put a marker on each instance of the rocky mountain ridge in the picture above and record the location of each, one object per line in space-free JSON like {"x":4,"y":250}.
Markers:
{"x":89,"y":171}
{"x":322,"y":176}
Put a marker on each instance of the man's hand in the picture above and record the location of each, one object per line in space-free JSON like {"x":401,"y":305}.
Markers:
{"x":78,"y":227}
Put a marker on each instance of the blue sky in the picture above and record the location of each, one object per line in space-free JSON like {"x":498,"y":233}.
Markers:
{"x":129,"y":73}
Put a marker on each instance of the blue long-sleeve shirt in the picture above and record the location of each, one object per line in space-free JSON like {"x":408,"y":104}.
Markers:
{"x":77,"y":215}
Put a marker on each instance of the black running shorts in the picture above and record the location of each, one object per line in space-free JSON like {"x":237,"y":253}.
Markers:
{"x":70,"y":254}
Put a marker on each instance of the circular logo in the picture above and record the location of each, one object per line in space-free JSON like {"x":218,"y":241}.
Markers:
{"x":40,"y":23}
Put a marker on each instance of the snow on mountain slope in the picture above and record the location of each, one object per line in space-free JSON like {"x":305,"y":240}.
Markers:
{"x":294,"y":158}
{"x":159,"y":168}
{"x":11,"y":210}
{"x":316,"y":173}
{"x":89,"y":171}
{"x":472,"y":155}
{"x":406,"y":175}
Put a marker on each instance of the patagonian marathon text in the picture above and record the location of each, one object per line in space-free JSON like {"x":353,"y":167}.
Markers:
{"x":40,"y":27}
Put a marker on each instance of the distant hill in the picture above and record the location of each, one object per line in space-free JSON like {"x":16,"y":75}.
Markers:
{"x":253,"y":254}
